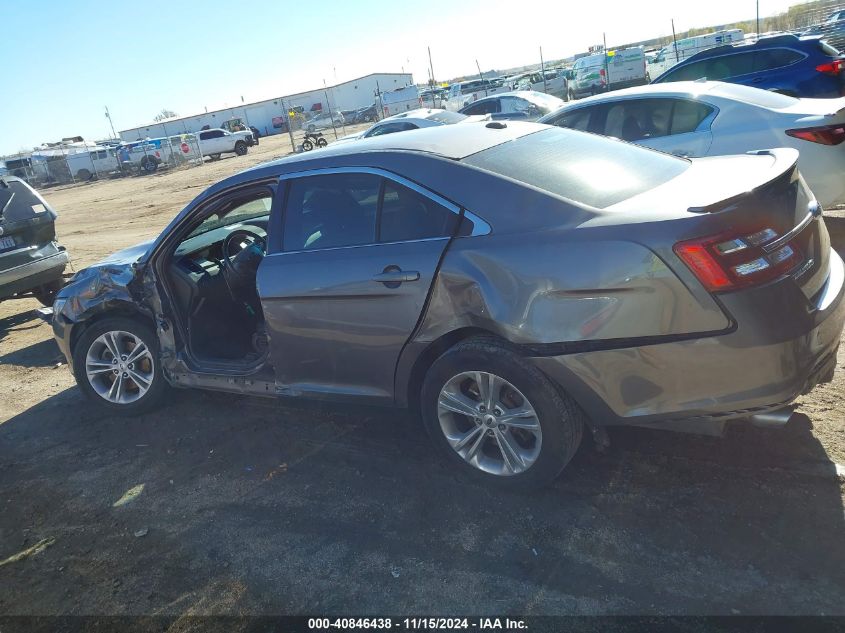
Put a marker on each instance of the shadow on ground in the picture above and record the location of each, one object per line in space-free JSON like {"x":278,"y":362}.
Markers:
{"x":256,"y":506}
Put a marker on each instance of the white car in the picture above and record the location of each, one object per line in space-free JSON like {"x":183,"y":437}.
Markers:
{"x":712,"y":118}
{"x":216,"y":141}
{"x":520,"y":105}
{"x":412,"y":120}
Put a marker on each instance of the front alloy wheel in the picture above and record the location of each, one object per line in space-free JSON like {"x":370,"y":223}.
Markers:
{"x":119,"y":367}
{"x":116,"y":364}
{"x":489,"y":423}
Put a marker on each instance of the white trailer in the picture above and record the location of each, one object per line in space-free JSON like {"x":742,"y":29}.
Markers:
{"x":670,"y":55}
{"x":401,"y":100}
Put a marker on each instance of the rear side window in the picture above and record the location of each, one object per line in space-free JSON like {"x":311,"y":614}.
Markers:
{"x":491,"y":106}
{"x":576,"y":120}
{"x":586,"y":168}
{"x":688,"y":115}
{"x":408,"y":215}
{"x":775,"y":58}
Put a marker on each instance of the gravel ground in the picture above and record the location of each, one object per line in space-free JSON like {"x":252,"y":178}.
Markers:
{"x":249,"y":506}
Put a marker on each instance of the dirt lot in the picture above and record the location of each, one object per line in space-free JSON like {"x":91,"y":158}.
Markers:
{"x":263,"y":507}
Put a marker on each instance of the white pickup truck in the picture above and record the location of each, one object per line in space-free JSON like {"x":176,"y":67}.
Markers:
{"x":463,"y":93}
{"x":555,"y":83}
{"x":215,"y":141}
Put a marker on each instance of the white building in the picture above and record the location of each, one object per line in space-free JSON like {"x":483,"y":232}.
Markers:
{"x":269,"y":116}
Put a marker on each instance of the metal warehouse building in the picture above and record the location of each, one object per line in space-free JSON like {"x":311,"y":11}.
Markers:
{"x":269,"y":116}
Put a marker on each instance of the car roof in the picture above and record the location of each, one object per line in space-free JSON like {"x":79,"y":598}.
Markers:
{"x":453,"y":142}
{"x":419,"y":113}
{"x":766,"y":41}
{"x":681,"y":89}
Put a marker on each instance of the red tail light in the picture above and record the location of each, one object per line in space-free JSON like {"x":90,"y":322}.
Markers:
{"x":738,"y":260}
{"x":833,"y":68}
{"x":825,"y":134}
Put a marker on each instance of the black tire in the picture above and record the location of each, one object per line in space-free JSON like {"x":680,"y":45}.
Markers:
{"x":561,"y":420}
{"x":321,"y":142}
{"x":241,"y":148}
{"x":307,"y":145}
{"x":83,"y":175}
{"x":158,"y":387}
{"x":149,"y":165}
{"x":214,"y":156}
{"x":46,"y":294}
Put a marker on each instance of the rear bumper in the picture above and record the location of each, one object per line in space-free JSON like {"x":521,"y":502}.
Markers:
{"x":45,"y":264}
{"x":678,"y":384}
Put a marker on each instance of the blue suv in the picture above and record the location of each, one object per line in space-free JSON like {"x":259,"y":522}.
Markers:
{"x":792,"y":65}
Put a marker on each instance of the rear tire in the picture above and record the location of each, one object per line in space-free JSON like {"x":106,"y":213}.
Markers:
{"x":214,"y":156}
{"x":241,"y":148}
{"x":110,"y":351}
{"x":545,"y":435}
{"x":149,"y":165}
{"x":321,"y":142}
{"x":46,"y":294}
{"x":83,"y":175}
{"x":307,"y":145}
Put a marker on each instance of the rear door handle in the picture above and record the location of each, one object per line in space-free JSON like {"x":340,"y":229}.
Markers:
{"x":396,"y":276}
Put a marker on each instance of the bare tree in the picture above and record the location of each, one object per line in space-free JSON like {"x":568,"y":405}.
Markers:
{"x":164,"y":115}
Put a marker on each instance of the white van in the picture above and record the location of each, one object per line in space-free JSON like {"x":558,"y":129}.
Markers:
{"x":602,"y":72}
{"x":670,"y":55}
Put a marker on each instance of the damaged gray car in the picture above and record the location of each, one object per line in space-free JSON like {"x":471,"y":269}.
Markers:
{"x":32,"y":262}
{"x":514,"y":283}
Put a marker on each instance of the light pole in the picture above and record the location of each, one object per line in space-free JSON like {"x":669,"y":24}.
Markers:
{"x":108,"y":116}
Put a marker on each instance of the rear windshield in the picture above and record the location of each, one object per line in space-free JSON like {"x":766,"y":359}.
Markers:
{"x":446,"y":117}
{"x":586,"y":168}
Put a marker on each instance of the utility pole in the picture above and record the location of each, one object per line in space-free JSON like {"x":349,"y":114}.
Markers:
{"x":606,"y":69}
{"x":286,"y":110}
{"x":480,"y":74}
{"x":108,"y":116}
{"x":543,"y":70}
{"x":758,"y":19}
{"x":674,"y":40}
{"x":331,"y":114}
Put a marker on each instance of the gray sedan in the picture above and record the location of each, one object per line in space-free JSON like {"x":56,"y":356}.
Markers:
{"x":515,"y":284}
{"x":519,"y":105}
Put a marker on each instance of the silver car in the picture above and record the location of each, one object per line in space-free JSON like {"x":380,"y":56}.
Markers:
{"x":514,"y":283}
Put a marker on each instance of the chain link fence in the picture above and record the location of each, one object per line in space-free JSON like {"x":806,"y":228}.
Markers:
{"x":81,"y":161}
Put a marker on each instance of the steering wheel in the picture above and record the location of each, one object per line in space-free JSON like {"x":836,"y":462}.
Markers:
{"x":241,"y":265}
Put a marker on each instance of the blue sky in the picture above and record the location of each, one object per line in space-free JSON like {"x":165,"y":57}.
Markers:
{"x":63,"y":61}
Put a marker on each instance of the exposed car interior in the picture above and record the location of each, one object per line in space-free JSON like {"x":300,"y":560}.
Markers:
{"x":212,"y":275}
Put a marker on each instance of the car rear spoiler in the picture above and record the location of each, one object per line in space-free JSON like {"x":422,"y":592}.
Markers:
{"x":785,"y":166}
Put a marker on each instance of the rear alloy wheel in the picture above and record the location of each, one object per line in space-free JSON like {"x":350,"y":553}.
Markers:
{"x":498,"y":417}
{"x":241,"y":148}
{"x":116,"y":364}
{"x":307,"y":145}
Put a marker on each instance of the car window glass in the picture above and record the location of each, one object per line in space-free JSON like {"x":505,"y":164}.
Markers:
{"x":688,"y":115}
{"x":488,"y":106}
{"x":637,"y":119}
{"x":691,"y":72}
{"x":577,"y":119}
{"x":237,"y":211}
{"x":775,"y":58}
{"x":331,"y":211}
{"x":205,"y":136}
{"x":516,"y":104}
{"x":730,"y":66}
{"x":409,"y":215}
